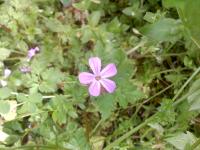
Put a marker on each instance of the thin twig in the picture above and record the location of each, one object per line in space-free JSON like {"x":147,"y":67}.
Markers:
{"x":44,"y":97}
{"x":135,"y":48}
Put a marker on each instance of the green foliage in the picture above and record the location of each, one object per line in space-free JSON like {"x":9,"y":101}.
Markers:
{"x":166,"y":29}
{"x":153,"y":43}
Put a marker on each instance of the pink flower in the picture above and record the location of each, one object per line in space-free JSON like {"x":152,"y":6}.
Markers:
{"x":25,"y":69}
{"x":99,"y":78}
{"x":32,"y":53}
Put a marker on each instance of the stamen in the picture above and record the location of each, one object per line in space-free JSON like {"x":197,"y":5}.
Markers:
{"x":98,"y":78}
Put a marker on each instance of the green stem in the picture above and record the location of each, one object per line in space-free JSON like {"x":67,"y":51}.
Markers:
{"x":185,"y":84}
{"x":26,"y":115}
{"x":159,"y":93}
{"x":129,"y":133}
{"x":152,"y":97}
{"x":135,"y":48}
{"x":170,"y":70}
{"x":96,"y":127}
{"x":196,"y":144}
{"x":31,"y":146}
{"x":181,"y":99}
{"x":44,"y":97}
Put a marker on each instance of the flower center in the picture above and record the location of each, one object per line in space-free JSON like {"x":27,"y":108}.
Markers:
{"x":98,"y":78}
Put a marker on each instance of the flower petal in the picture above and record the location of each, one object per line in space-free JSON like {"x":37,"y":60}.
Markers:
{"x":3,"y":83}
{"x":109,"y":71}
{"x":95,"y":88}
{"x":95,"y":65}
{"x":85,"y":77}
{"x":109,"y":85}
{"x":3,"y":135}
{"x":7,"y":73}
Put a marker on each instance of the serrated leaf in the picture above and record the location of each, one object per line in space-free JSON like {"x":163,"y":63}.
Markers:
{"x":52,"y":75}
{"x":105,"y":104}
{"x":62,"y":108}
{"x":128,"y":94}
{"x":166,"y":112}
{"x":78,"y":141}
{"x":47,"y":87}
{"x":35,"y":98}
{"x":22,"y":97}
{"x":59,"y":117}
{"x":28,"y":107}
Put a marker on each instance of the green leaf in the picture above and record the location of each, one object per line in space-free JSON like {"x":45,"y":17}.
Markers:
{"x":129,"y":11}
{"x":191,"y":13}
{"x":128,"y":94}
{"x":47,"y":87}
{"x":4,"y":107}
{"x":83,"y":5}
{"x":78,"y":141}
{"x":180,"y":140}
{"x":163,"y":30}
{"x":28,"y":107}
{"x":173,"y":3}
{"x":59,"y":116}
{"x":66,"y":2}
{"x":5,"y":93}
{"x":194,"y":95}
{"x":35,"y":98}
{"x":106,"y":105}
{"x":94,"y":18}
{"x":4,"y":53}
{"x":87,"y":35}
{"x":62,"y":108}
{"x":150,"y":17}
{"x":22,"y":97}
{"x":114,"y":26}
{"x":51,"y":77}
{"x":166,"y":112}
{"x":54,"y":25}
